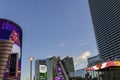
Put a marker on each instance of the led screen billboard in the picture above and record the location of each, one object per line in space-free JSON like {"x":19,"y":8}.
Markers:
{"x":59,"y":73}
{"x":43,"y":70}
{"x":12,"y":31}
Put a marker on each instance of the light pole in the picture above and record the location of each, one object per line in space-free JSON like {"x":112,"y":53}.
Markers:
{"x":31,"y":59}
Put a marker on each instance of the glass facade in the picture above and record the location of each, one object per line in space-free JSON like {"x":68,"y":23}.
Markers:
{"x":106,"y":21}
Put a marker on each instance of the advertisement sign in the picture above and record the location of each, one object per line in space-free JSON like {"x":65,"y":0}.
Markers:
{"x":43,"y":70}
{"x":110,"y":64}
{"x":12,"y":31}
{"x":59,"y":73}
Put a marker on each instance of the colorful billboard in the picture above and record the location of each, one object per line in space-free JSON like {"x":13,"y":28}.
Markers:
{"x":12,"y":31}
{"x":43,"y":70}
{"x":110,"y":64}
{"x":59,"y":73}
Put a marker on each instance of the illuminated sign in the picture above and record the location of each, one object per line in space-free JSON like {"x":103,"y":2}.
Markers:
{"x":12,"y":31}
{"x":105,"y":65}
{"x":43,"y":70}
{"x":59,"y":73}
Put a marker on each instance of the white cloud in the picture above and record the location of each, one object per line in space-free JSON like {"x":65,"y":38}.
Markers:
{"x":81,"y":61}
{"x":85,"y":55}
{"x":62,"y":44}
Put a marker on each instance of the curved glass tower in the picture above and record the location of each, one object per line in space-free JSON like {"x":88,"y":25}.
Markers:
{"x":106,"y":21}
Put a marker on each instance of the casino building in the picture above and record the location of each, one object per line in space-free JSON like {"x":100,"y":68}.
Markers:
{"x":106,"y":24}
{"x":10,"y":50}
{"x":53,"y":68}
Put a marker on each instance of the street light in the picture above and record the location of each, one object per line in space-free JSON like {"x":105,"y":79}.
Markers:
{"x":31,"y":59}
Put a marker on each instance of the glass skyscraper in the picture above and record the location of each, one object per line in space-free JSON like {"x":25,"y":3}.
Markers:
{"x":106,"y":21}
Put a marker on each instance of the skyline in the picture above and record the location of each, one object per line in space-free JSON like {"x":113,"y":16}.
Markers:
{"x":52,"y":28}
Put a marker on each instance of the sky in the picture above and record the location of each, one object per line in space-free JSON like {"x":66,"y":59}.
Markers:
{"x":52,"y":28}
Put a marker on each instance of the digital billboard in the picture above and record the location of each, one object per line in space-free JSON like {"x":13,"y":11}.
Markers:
{"x":9,"y":30}
{"x":59,"y":73}
{"x":43,"y":70}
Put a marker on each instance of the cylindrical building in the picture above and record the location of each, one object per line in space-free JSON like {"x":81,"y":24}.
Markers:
{"x":10,"y":31}
{"x":5,"y":50}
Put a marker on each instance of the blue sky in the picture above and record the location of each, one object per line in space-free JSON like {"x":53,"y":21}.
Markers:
{"x":52,"y":27}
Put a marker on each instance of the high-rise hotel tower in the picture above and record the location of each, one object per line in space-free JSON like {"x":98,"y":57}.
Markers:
{"x":106,"y":21}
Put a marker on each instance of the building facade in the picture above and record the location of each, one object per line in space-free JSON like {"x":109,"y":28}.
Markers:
{"x":10,"y":50}
{"x":41,"y":69}
{"x":94,"y":60}
{"x":78,"y":73}
{"x":53,"y":68}
{"x":68,"y":64}
{"x":106,"y":23}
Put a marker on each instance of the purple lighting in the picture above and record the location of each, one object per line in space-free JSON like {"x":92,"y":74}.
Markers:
{"x":58,"y":78}
{"x":59,"y":74}
{"x":59,"y":69}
